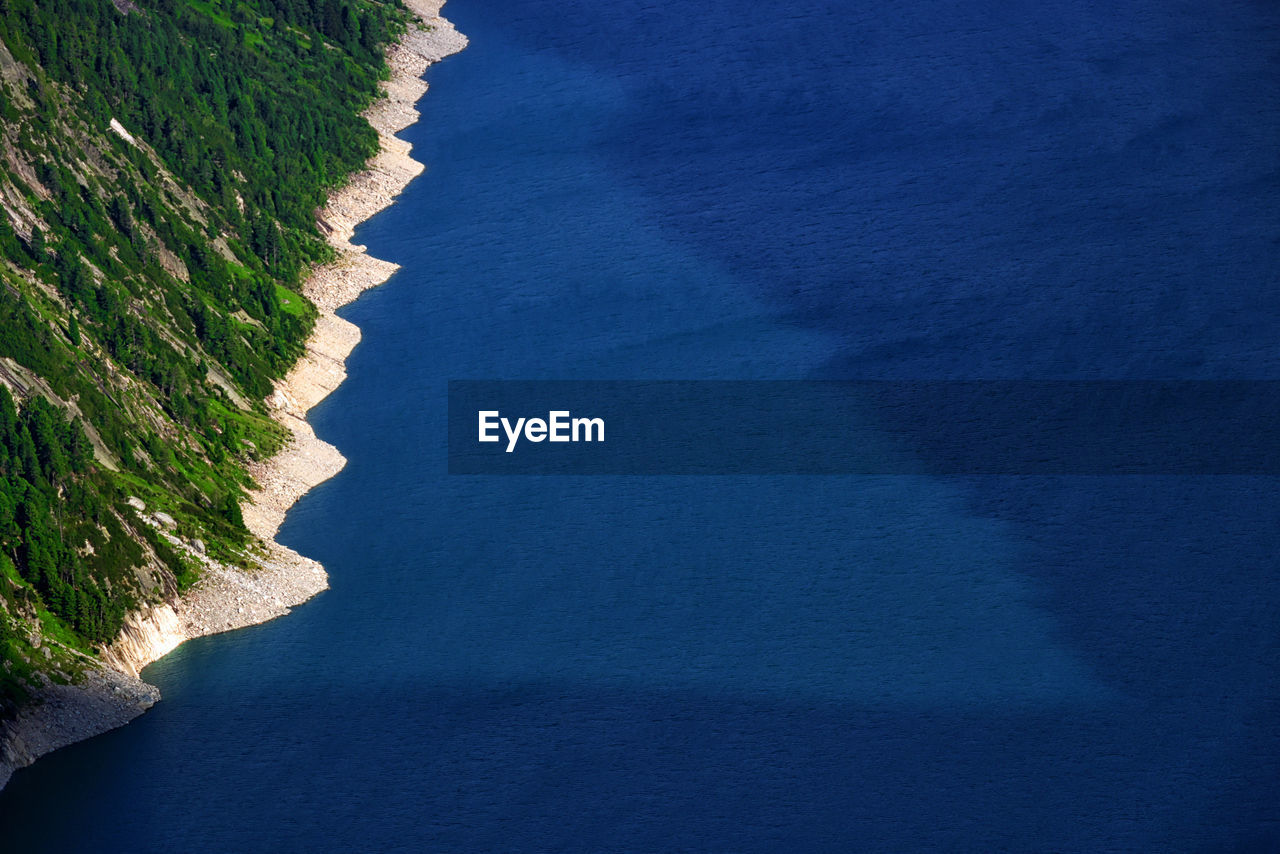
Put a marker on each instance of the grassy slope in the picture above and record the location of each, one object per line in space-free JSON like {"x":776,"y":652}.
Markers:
{"x":149,"y":290}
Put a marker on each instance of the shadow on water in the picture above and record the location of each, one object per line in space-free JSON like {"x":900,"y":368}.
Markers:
{"x":634,"y":190}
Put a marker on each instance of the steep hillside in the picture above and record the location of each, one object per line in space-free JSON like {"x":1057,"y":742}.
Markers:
{"x":161,"y":167}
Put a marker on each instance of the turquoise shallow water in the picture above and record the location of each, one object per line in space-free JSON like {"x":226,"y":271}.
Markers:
{"x":766,"y":663}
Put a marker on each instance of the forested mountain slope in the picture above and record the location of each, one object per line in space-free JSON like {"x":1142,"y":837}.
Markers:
{"x":161,"y":165}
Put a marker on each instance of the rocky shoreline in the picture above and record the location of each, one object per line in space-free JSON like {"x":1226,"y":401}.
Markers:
{"x":226,"y":597}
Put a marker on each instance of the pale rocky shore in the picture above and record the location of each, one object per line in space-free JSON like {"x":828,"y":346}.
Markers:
{"x":227,"y":597}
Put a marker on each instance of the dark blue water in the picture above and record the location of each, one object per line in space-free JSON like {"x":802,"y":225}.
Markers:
{"x":807,"y":190}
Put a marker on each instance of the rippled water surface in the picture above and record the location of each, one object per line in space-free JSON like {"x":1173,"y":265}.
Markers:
{"x":807,"y":190}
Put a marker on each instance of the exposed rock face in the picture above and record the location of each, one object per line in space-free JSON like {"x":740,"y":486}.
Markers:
{"x":118,"y":130}
{"x":147,"y":635}
{"x":226,"y":597}
{"x":105,"y":700}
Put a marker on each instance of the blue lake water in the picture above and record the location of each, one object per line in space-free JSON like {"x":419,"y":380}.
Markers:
{"x":717,"y":190}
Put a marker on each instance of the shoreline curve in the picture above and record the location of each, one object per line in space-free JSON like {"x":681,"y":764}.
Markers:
{"x":227,"y":598}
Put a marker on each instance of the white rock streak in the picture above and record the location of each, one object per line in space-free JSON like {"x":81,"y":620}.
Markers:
{"x":119,"y":130}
